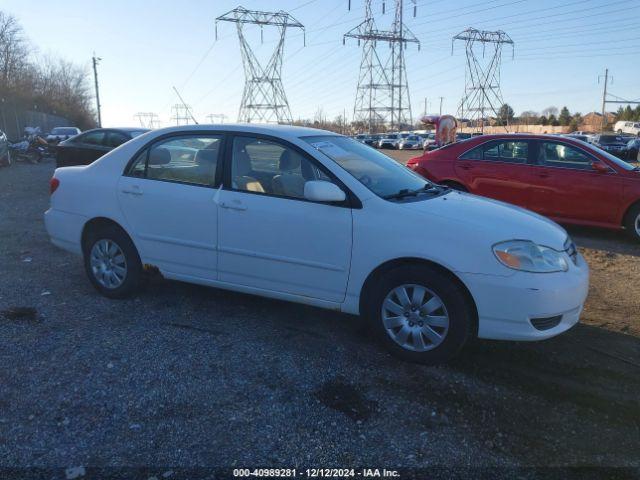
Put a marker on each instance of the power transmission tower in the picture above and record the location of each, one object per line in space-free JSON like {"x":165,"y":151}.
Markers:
{"x":147,"y":119}
{"x":611,"y":98}
{"x":382,"y":96}
{"x":219,"y":116}
{"x":181,"y":114}
{"x":263,"y":99}
{"x":482,"y":94}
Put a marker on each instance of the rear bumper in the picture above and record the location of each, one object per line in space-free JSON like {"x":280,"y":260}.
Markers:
{"x":507,"y":305}
{"x":65,"y":229}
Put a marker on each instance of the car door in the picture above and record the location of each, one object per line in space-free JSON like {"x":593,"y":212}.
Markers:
{"x":566,"y":187}
{"x":497,"y":169}
{"x":168,"y":198}
{"x":270,"y":236}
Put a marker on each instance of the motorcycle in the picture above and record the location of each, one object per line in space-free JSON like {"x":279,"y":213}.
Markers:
{"x":31,"y":150}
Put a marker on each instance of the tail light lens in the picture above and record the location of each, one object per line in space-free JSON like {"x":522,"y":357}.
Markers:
{"x":54,"y":183}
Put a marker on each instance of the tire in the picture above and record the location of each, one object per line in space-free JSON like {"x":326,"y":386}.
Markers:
{"x":122,"y":277}
{"x":6,"y":161}
{"x":632,"y":222}
{"x":619,"y":132}
{"x":427,"y":340}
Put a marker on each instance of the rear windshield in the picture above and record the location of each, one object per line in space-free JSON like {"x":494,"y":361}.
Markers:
{"x":64,"y":131}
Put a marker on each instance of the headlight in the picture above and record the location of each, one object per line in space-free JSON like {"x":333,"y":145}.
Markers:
{"x":530,"y":257}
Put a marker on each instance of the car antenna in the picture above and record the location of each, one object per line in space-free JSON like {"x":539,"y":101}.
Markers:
{"x":187,"y":108}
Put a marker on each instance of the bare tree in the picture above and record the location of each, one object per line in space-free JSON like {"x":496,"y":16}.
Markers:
{"x":14,"y":51}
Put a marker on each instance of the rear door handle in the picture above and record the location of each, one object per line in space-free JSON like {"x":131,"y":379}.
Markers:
{"x":233,"y":206}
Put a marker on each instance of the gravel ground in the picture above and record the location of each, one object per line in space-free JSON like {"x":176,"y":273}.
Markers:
{"x":187,"y":376}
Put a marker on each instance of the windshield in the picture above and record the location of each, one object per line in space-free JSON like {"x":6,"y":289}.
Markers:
{"x":607,"y":139}
{"x":64,"y":131}
{"x":612,"y":158}
{"x":381,"y":174}
{"x":391,"y":136}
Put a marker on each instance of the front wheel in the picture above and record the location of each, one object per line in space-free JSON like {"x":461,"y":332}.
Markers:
{"x":420,"y":314}
{"x":632,"y":222}
{"x":111,"y":262}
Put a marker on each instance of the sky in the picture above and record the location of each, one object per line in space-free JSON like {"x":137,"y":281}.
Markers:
{"x":147,"y":47}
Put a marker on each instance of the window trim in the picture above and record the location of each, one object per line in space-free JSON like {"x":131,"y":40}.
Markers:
{"x":351,"y":201}
{"x":589,"y":154}
{"x":81,"y":141}
{"x":148,"y":146}
{"x":527,"y":162}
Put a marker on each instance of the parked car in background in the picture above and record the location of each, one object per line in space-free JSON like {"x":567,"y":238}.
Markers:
{"x":411,"y":142}
{"x":632,"y":128}
{"x":389,"y":140}
{"x":611,"y":143}
{"x":633,"y":147}
{"x":564,"y":179}
{"x":462,"y":136}
{"x":429,"y":141}
{"x":200,"y":203}
{"x":361,"y":137}
{"x":59,"y":134}
{"x":575,"y":136}
{"x":5,"y":154}
{"x":375,"y":139}
{"x":92,"y":144}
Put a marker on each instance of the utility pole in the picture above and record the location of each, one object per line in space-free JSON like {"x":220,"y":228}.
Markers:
{"x":425,"y":105}
{"x":441,"y":98}
{"x":96,"y":60}
{"x":604,"y":100}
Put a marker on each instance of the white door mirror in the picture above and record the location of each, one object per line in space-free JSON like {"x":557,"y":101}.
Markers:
{"x":321,"y":191}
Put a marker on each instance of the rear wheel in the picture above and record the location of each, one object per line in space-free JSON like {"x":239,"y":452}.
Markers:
{"x":632,"y":222}
{"x":420,"y":314}
{"x":112,"y":262}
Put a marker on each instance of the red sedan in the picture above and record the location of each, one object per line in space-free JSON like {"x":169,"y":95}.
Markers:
{"x":562,"y":178}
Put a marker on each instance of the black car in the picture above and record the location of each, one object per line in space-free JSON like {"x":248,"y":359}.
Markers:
{"x":87,"y":147}
{"x":632,"y":149}
{"x":611,"y":143}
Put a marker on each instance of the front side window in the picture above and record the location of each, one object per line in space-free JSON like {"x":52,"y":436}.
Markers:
{"x":93,"y":138}
{"x":189,"y":159}
{"x":115,"y":139}
{"x":552,"y":154}
{"x":382,"y":175}
{"x":264,"y":166}
{"x":499,"y":151}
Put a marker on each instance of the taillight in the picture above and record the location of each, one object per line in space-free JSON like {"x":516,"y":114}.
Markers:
{"x":54,"y":183}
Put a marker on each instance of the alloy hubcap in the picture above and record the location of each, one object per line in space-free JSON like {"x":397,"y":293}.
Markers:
{"x":415,"y":317}
{"x":638,"y":225}
{"x":108,"y":263}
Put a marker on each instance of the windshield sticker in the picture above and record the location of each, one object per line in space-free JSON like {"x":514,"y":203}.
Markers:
{"x":331,"y":149}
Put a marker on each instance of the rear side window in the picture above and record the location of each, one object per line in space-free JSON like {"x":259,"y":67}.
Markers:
{"x":186,"y":159}
{"x":499,"y":151}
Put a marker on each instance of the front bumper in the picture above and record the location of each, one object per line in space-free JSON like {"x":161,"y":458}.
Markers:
{"x":507,"y":305}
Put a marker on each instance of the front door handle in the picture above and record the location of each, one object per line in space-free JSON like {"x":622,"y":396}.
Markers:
{"x":134,"y":190}
{"x":233,"y":206}
{"x":466,"y":166}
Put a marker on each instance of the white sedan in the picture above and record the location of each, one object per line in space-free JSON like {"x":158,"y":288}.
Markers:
{"x":313,"y":217}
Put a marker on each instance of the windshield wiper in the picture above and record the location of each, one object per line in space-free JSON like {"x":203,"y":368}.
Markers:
{"x":405,"y":192}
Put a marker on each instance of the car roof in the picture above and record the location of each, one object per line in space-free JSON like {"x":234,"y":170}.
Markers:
{"x":284,"y":131}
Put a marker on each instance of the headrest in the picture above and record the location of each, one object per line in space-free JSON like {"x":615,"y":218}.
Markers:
{"x":288,"y":161}
{"x":206,"y":156}
{"x":159,"y":156}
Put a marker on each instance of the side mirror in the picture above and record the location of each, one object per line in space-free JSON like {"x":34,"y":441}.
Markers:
{"x":321,"y":191}
{"x":600,"y":167}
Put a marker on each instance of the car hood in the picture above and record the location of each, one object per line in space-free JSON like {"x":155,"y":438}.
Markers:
{"x":496,"y":220}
